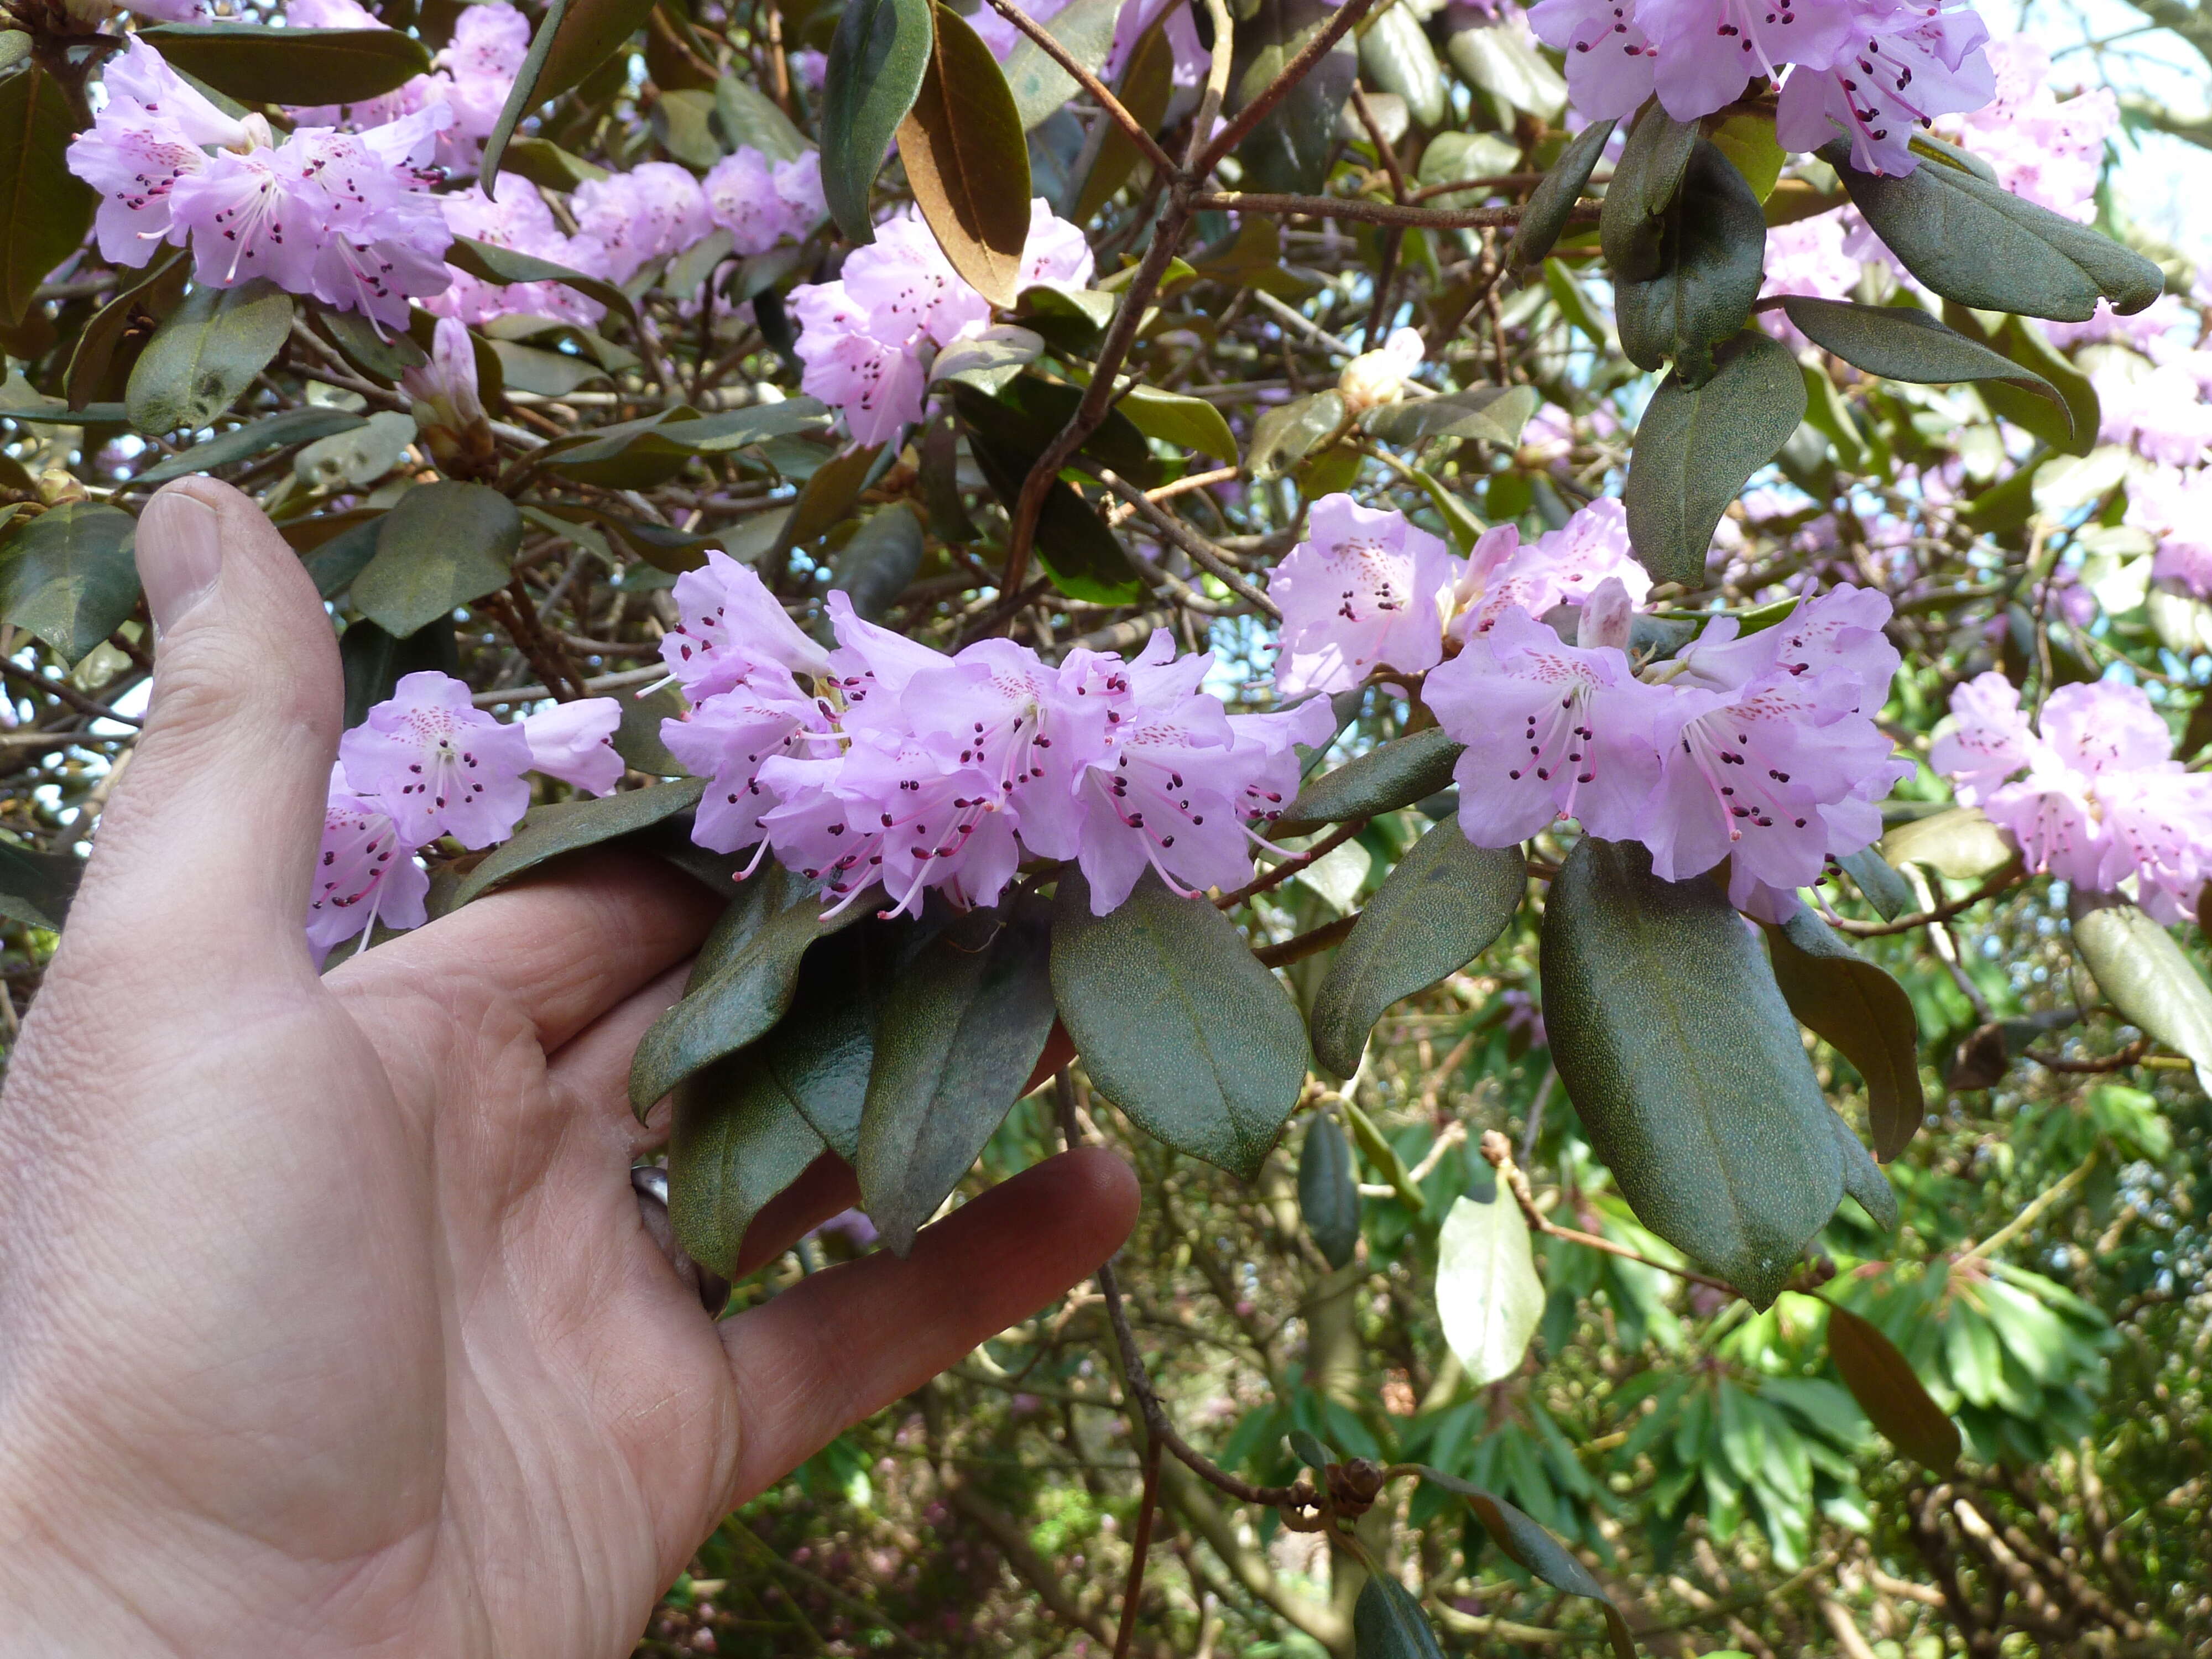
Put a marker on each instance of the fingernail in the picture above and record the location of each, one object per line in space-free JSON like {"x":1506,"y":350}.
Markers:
{"x":179,"y":548}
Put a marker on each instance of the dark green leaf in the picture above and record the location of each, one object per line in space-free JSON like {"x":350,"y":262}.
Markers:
{"x":1030,"y":410}
{"x":1395,"y":57}
{"x":572,"y":826}
{"x":683,"y":120}
{"x":967,"y":161}
{"x":1974,"y":242}
{"x":1399,"y":773}
{"x":203,"y":359}
{"x":737,"y":1141}
{"x":1506,"y":62}
{"x":1552,"y":201}
{"x":637,"y":739}
{"x":1878,"y":882}
{"x":1084,"y":558}
{"x":383,"y":357}
{"x":374,"y":661}
{"x":1533,"y":1548}
{"x":1712,"y":258}
{"x":1173,"y":418}
{"x":1682,"y":1060}
{"x":294,"y":425}
{"x":1883,"y":1383}
{"x":1040,"y":85}
{"x":1906,"y":344}
{"x":1387,"y":1622}
{"x":1176,"y":1023}
{"x":1290,"y":148}
{"x":257,"y":64}
{"x":960,"y":1032}
{"x":2020,"y":340}
{"x":755,"y":956}
{"x":1308,"y":1448}
{"x":36,"y":888}
{"x":1284,"y":435}
{"x":45,"y":209}
{"x":489,"y":263}
{"x":874,"y":567}
{"x":2150,"y":981}
{"x":544,"y":162}
{"x":829,"y":494}
{"x":1442,"y":906}
{"x":151,"y":295}
{"x":1696,"y":448}
{"x":1631,"y":225}
{"x":823,"y":1050}
{"x":1494,"y":414}
{"x":587,"y":34}
{"x":1862,"y":1177}
{"x":335,"y":562}
{"x":749,"y":118}
{"x":523,"y":96}
{"x":1863,"y":1012}
{"x":68,"y":576}
{"x":877,"y":59}
{"x":1329,"y":1191}
{"x":443,"y":545}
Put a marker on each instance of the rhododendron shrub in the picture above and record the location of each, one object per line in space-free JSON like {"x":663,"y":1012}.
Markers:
{"x":1589,"y":619}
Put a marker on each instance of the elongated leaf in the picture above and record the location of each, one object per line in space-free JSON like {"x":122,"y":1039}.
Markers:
{"x":1311,"y":1449}
{"x":2020,"y":340}
{"x":1395,"y":57}
{"x":1040,"y":87}
{"x":960,"y":1032}
{"x":1329,"y":1191}
{"x":585,"y":35}
{"x":1631,"y":226}
{"x":1494,"y":414}
{"x":1084,"y":558}
{"x":1505,"y":62}
{"x":823,"y":1050}
{"x":1862,"y":1177}
{"x":257,"y":64}
{"x":736,"y":1141}
{"x":1883,"y":887}
{"x":1173,"y":418}
{"x":1285,"y":434}
{"x":1399,"y":773}
{"x":2147,"y":975}
{"x":1176,"y":1023}
{"x":152,"y":295}
{"x":1712,"y":258}
{"x":1908,"y":345}
{"x":877,"y":59}
{"x":68,"y":576}
{"x":294,"y":425}
{"x":967,"y":161}
{"x":1552,"y":200}
{"x":1883,"y":1383}
{"x":1147,"y":84}
{"x":1972,"y":241}
{"x":36,"y":889}
{"x":374,"y":662}
{"x":989,"y":360}
{"x":1863,"y":1013}
{"x":443,"y":545}
{"x":750,"y":117}
{"x":1696,"y":448}
{"x":874,"y":567}
{"x":523,"y":96}
{"x":1960,"y":843}
{"x":490,"y":263}
{"x":755,"y":964}
{"x":201,"y":360}
{"x":1488,"y":1293}
{"x":45,"y":209}
{"x":551,"y":832}
{"x":1290,"y":148}
{"x":1682,"y":1060}
{"x":1442,"y":906}
{"x":1536,"y":1550}
{"x":1387,"y":1622}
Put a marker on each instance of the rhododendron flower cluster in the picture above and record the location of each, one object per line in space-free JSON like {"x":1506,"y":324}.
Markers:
{"x":1758,"y":748}
{"x":472,"y":78}
{"x":884,"y":763}
{"x":1368,"y":590}
{"x":2091,"y":790}
{"x":2048,"y":150}
{"x":1873,"y":71}
{"x":868,"y":338}
{"x":429,"y":763}
{"x":346,"y":217}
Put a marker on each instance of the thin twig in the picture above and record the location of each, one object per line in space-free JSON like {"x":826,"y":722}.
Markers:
{"x":1306,"y":945}
{"x":2010,"y":875}
{"x":1140,"y":1547}
{"x":1091,"y":84}
{"x":1499,"y":1153}
{"x":1348,"y":15}
{"x":66,"y":693}
{"x":1201,"y":551}
{"x":1276,"y":875}
{"x":1375,"y":213}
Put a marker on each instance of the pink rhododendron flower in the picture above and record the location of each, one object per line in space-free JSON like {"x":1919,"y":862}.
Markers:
{"x":365,"y":873}
{"x":402,"y":100}
{"x":2176,"y":508}
{"x":1609,"y":57}
{"x":1561,"y":567}
{"x":1360,"y":592}
{"x":654,"y":210}
{"x":478,"y":67}
{"x":761,"y":203}
{"x":2047,"y":151}
{"x":438,"y":764}
{"x":575,"y":743}
{"x":728,"y":623}
{"x":2161,"y":412}
{"x":1707,"y":51}
{"x":728,"y":737}
{"x":520,"y":219}
{"x":153,"y":130}
{"x":2099,"y":801}
{"x":1895,"y":74}
{"x":1552,"y":731}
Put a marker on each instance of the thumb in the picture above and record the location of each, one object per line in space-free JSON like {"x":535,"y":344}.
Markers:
{"x":209,"y":842}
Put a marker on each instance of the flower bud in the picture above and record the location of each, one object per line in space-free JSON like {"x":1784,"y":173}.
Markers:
{"x":1379,"y":377}
{"x":448,"y":411}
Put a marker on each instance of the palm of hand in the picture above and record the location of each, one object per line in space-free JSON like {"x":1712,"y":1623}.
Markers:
{"x":336,"y":1287}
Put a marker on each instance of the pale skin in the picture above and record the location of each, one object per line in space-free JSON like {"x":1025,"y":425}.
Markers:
{"x":328,"y":1323}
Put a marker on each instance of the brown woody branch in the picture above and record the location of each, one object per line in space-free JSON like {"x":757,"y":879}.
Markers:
{"x":1375,"y":213}
{"x":1090,"y":83}
{"x":1498,"y":1151}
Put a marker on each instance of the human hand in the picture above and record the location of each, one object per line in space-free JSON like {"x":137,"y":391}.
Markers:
{"x":327,"y":1320}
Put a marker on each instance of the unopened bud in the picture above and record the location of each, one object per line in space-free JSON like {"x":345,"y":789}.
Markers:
{"x":1379,"y":377}
{"x":448,"y":411}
